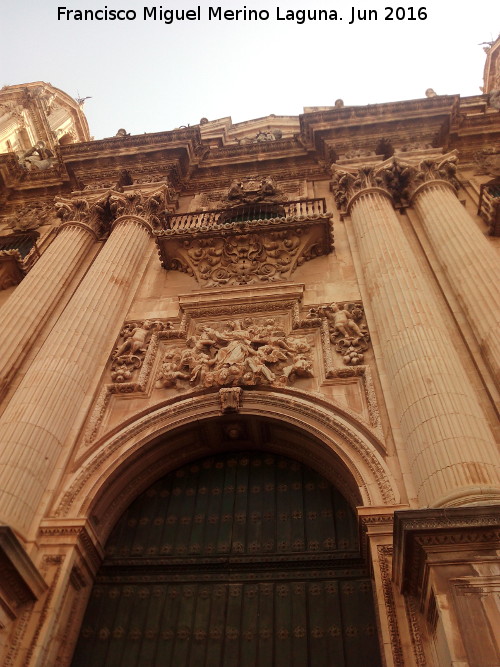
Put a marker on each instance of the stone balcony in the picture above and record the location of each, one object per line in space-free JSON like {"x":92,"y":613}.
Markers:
{"x":246,"y":243}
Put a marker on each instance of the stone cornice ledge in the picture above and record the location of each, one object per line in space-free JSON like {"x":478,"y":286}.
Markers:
{"x":20,"y":582}
{"x":454,"y":530}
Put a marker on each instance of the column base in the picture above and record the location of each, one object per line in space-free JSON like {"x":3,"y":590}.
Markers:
{"x":20,"y":583}
{"x":447,"y":565}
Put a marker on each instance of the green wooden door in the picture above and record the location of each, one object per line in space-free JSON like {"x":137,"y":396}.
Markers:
{"x":247,"y":559}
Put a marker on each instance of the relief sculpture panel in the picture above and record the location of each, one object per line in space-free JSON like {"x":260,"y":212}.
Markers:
{"x":237,"y":353}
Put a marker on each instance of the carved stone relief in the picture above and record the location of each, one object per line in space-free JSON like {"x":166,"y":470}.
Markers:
{"x":29,"y":217}
{"x":254,"y":189}
{"x":237,"y":353}
{"x":130,"y":353}
{"x":246,"y":258}
{"x":261,"y":343}
{"x":347,"y":329}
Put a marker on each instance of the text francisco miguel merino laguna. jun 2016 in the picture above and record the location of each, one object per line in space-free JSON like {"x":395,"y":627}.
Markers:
{"x":169,"y":16}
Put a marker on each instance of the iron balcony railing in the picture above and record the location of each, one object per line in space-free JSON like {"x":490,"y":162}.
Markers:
{"x":300,"y":209}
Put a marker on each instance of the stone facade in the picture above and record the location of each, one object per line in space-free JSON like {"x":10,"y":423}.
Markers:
{"x":330,"y":280}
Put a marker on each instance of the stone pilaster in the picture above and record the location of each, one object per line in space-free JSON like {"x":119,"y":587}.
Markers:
{"x":467,"y":258}
{"x":33,"y":301}
{"x":36,"y":425}
{"x":451,"y":449}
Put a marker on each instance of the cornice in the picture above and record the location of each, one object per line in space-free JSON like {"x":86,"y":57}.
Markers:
{"x":132,"y":144}
{"x":443,"y":106}
{"x":453,"y":529}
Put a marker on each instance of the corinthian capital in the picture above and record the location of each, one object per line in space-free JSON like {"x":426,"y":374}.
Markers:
{"x":91,"y":212}
{"x":149,"y":205}
{"x":348,"y":183}
{"x":444,"y":169}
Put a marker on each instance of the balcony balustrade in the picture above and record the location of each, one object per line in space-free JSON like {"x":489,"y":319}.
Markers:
{"x":246,"y":243}
{"x":304,"y":209}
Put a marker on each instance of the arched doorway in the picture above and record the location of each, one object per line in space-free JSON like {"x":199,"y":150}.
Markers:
{"x":247,"y":558}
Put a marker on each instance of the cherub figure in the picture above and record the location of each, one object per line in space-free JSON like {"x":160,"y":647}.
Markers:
{"x":135,"y":338}
{"x":170,"y":370}
{"x":343,"y":321}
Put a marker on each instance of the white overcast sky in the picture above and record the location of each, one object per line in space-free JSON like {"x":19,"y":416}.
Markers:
{"x":147,"y":76}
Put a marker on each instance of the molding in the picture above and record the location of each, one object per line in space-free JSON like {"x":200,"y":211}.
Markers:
{"x":20,"y":581}
{"x":453,"y":529}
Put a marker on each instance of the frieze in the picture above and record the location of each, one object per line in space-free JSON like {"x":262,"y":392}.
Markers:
{"x":156,"y":172}
{"x":136,"y":141}
{"x":250,"y":147}
{"x":211,"y":179}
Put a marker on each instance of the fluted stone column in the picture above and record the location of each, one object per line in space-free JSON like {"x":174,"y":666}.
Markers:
{"x":33,"y":301}
{"x":450,"y":446}
{"x":36,"y":424}
{"x":467,"y":258}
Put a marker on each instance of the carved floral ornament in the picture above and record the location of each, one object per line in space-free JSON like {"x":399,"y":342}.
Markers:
{"x":246,"y":258}
{"x":398,"y":178}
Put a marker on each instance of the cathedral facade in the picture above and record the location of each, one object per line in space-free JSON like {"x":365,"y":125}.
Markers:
{"x":249,"y":385}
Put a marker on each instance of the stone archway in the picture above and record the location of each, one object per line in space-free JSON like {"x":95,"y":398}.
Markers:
{"x":240,"y":558}
{"x":125,"y":462}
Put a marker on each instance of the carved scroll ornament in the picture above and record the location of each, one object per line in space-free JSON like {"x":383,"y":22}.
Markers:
{"x":29,"y":217}
{"x":244,"y":259}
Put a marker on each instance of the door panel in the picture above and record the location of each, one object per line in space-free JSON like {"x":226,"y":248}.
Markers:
{"x":238,"y":560}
